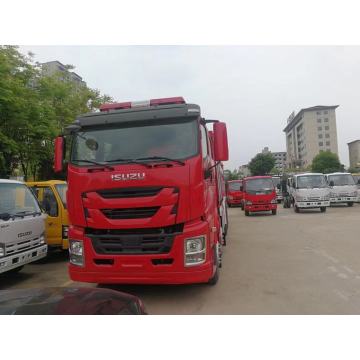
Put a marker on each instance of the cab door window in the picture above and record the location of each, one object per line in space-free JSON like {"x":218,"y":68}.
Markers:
{"x":47,"y":200}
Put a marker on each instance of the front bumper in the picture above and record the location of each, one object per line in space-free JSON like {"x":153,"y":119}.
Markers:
{"x":312,"y":204}
{"x":141,"y":268}
{"x":13,"y":261}
{"x":343,"y":199}
{"x":235,"y":202}
{"x":260,"y":207}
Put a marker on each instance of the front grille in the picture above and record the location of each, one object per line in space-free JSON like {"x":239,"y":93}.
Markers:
{"x":23,"y":245}
{"x":133,"y":241}
{"x":129,"y":192}
{"x":130,"y":213}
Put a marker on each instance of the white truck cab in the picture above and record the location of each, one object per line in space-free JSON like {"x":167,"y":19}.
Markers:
{"x":343,"y":189}
{"x":22,"y":227}
{"x":309,"y":191}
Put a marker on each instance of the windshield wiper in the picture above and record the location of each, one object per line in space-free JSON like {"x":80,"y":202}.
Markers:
{"x":94,"y":162}
{"x":130,"y":161}
{"x":161,"y":158}
{"x":27,"y":212}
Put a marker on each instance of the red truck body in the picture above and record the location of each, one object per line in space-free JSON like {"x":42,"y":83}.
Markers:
{"x":234,"y":192}
{"x":150,"y":219}
{"x":259,"y":194}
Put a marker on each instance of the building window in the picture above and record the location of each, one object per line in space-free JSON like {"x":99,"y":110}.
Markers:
{"x":318,"y":113}
{"x":320,"y":136}
{"x":319,"y":120}
{"x":319,"y":128}
{"x":321,"y":143}
{"x":328,"y":143}
{"x":326,"y":112}
{"x":326,"y":119}
{"x":327,"y":136}
{"x":328,"y":149}
{"x":327,"y":127}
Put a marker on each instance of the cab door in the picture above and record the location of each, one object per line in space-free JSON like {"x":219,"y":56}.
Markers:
{"x":49,"y":203}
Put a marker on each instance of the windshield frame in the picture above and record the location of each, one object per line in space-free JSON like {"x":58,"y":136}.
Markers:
{"x":145,"y":123}
{"x":331,"y":178}
{"x":63,"y":201}
{"x":313,"y":187}
{"x":240,"y":183}
{"x":37,"y":207}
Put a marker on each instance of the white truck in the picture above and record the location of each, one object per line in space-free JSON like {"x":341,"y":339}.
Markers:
{"x":22,"y":227}
{"x":343,"y":189}
{"x":309,"y":191}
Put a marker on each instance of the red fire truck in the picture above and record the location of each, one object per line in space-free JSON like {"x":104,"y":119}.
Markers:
{"x":234,"y":192}
{"x":259,"y":194}
{"x":145,"y":193}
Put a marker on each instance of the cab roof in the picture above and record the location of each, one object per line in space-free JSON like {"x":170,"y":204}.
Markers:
{"x":8,"y":181}
{"x":48,"y":182}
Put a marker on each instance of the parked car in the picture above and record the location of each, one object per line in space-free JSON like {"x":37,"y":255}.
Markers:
{"x":69,"y":301}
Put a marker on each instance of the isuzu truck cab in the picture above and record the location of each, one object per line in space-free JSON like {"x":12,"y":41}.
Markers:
{"x":143,"y":197}
{"x":343,"y":189}
{"x":309,"y":191}
{"x":22,"y":227}
{"x":259,"y":194}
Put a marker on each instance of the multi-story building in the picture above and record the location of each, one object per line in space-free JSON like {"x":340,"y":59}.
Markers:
{"x":51,"y":67}
{"x":354,"y":154}
{"x":244,"y":171}
{"x":308,"y":133}
{"x":280,"y":159}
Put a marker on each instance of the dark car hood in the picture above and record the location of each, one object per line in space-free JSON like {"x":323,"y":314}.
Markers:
{"x":69,"y":301}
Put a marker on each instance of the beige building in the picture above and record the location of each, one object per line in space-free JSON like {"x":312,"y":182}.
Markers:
{"x":308,"y":133}
{"x":354,"y":154}
{"x":280,"y":158}
{"x":51,"y":67}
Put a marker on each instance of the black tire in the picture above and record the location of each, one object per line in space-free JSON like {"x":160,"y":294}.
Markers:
{"x":242,"y":206}
{"x":273,"y":212}
{"x":323,"y":209}
{"x":350,"y":204}
{"x":229,"y":205}
{"x":16,"y":270}
{"x":296,"y":208}
{"x":247,"y":213}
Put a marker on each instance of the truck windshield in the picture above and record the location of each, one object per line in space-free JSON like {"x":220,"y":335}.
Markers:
{"x":234,"y":186}
{"x":342,"y":179}
{"x":261,"y":185}
{"x":311,"y":181}
{"x":61,"y":189}
{"x":172,"y":140}
{"x":17,"y":199}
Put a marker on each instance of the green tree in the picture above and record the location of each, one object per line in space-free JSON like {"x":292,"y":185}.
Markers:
{"x":262,"y":164}
{"x":33,"y":110}
{"x":326,"y":162}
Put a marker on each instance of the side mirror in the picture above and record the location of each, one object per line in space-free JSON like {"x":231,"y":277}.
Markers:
{"x":221,"y":148}
{"x":331,"y":183}
{"x":59,"y":154}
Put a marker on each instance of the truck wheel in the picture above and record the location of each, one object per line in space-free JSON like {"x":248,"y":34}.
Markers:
{"x":296,"y":208}
{"x":229,"y":205}
{"x":247,"y":213}
{"x":242,"y":206}
{"x":213,"y":281}
{"x":323,"y":209}
{"x":273,"y":212}
{"x":350,"y":204}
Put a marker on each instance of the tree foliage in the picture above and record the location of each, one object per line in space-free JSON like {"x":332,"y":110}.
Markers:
{"x":34,"y":109}
{"x":262,"y":164}
{"x":326,"y":162}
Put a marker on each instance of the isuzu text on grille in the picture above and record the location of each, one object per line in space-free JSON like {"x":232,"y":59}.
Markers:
{"x":130,"y":176}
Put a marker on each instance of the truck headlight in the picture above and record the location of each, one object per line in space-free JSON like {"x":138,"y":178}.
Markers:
{"x":76,"y":251}
{"x":195,"y":250}
{"x":42,"y":239}
{"x":65,"y":230}
{"x":2,"y":251}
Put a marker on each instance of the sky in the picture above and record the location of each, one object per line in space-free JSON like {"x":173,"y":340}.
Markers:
{"x":251,"y":88}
